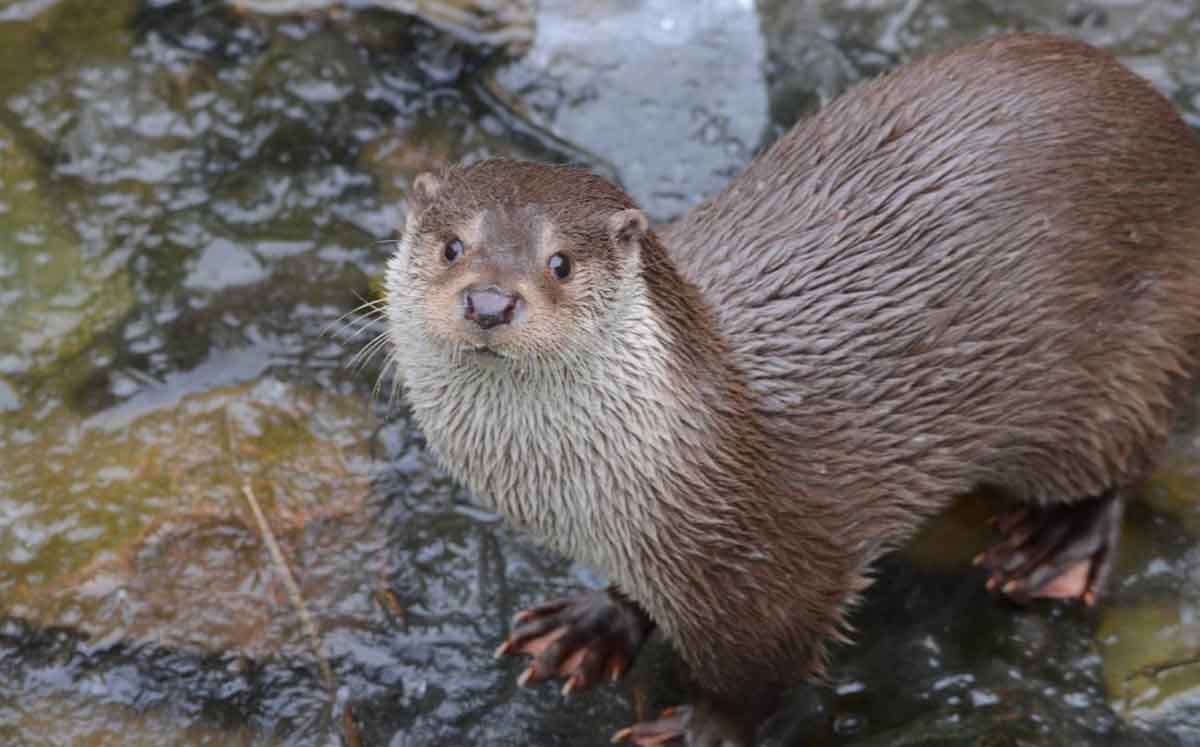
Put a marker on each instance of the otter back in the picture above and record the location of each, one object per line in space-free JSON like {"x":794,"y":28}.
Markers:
{"x":981,"y":268}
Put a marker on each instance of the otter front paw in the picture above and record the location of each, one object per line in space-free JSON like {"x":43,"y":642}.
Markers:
{"x":583,"y":638}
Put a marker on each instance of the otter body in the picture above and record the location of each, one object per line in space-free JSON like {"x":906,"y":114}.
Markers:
{"x":980,"y":270}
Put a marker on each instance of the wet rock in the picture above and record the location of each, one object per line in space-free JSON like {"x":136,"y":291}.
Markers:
{"x":62,"y":719}
{"x":398,"y":155}
{"x":939,"y":661}
{"x":232,"y":164}
{"x":674,"y":137}
{"x":223,"y":264}
{"x":9,"y":399}
{"x":110,"y":692}
{"x":57,"y":294}
{"x":46,"y":38}
{"x":1151,"y":663}
{"x":162,"y":556}
{"x":1174,"y":491}
{"x":1149,"y":632}
{"x":1157,"y":39}
{"x":506,"y":24}
{"x":807,"y":67}
{"x":170,"y":481}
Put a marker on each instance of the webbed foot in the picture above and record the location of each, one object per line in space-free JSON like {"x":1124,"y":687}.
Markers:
{"x":691,"y":726}
{"x":669,"y":729}
{"x":1064,"y":551}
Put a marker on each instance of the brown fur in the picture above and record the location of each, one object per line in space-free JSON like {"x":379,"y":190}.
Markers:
{"x":979,"y":270}
{"x":989,"y":275}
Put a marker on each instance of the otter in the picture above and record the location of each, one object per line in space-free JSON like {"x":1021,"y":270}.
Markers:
{"x":980,"y":270}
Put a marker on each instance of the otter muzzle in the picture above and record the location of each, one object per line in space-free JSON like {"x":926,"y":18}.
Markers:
{"x":489,"y":307}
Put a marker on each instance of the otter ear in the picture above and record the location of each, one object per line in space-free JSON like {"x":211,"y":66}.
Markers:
{"x":424,"y":189}
{"x":627,"y":228}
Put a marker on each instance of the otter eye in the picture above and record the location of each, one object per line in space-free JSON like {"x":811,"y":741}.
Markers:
{"x":453,"y":250}
{"x":560,"y":265}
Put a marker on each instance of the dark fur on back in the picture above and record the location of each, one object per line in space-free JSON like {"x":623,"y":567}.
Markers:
{"x":983,"y":268}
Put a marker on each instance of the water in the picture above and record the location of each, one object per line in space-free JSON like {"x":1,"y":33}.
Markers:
{"x":191,"y":194}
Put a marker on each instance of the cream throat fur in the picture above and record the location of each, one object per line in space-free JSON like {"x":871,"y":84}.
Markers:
{"x":556,"y":444}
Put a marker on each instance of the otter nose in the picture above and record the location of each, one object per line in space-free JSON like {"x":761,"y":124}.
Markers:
{"x":490,"y":307}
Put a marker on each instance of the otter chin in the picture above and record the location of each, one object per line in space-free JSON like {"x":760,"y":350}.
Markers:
{"x":977,"y":271}
{"x":485,"y":352}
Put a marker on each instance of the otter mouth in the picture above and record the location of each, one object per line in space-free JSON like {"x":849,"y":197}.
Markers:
{"x":484,"y":351}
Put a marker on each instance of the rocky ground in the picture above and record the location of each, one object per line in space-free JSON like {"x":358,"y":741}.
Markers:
{"x":214,"y":532}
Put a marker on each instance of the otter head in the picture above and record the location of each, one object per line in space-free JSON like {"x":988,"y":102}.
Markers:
{"x":507,"y":260}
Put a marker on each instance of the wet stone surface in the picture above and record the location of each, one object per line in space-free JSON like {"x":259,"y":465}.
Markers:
{"x":214,"y":531}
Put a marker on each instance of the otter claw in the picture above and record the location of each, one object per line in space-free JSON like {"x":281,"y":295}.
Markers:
{"x":523,"y":680}
{"x":1064,"y":551}
{"x":584,"y":639}
{"x":670,"y":728}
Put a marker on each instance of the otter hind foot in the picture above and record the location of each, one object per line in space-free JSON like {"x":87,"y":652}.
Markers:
{"x":1063,"y":551}
{"x":584,"y":639}
{"x":703,"y":725}
{"x":668,"y":730}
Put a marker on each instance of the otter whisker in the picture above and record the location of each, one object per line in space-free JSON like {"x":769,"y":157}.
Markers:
{"x":352,"y":330}
{"x":371,"y":309}
{"x":369,"y":351}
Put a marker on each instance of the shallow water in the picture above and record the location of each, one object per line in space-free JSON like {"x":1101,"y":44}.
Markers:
{"x":190,"y":198}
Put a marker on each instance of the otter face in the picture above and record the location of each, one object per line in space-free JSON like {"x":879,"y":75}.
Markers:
{"x":508,"y":260}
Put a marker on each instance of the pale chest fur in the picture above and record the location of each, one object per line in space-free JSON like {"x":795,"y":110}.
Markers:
{"x":576,"y":451}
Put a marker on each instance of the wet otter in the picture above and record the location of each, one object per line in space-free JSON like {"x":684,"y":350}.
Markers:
{"x":978,"y":270}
